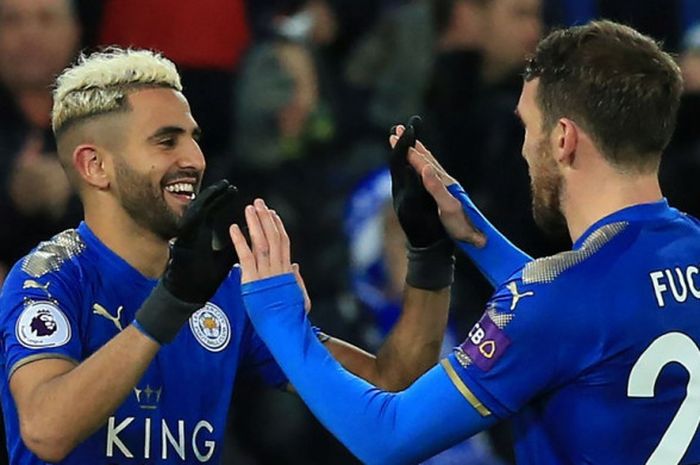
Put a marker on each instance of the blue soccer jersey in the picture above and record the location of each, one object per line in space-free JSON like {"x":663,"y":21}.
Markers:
{"x":595,"y":350}
{"x":70,"y":296}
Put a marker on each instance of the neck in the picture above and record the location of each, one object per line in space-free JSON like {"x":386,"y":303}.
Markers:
{"x":586,"y":203}
{"x":139,"y":247}
{"x":35,"y":104}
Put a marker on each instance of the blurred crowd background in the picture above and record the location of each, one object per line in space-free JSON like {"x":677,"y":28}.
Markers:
{"x":296,"y":98}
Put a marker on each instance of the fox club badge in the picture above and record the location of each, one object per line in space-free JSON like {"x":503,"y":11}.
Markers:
{"x":42,"y":325}
{"x":211,"y":327}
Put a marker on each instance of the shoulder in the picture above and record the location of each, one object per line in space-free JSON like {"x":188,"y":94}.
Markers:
{"x":564,"y":281}
{"x":556,"y":268}
{"x":53,"y":256}
{"x":52,"y":270}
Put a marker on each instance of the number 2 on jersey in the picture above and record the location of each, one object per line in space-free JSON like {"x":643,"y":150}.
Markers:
{"x":669,"y":348}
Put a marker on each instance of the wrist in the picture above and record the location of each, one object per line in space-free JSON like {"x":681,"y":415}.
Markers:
{"x":431,"y":267}
{"x":162,"y":314}
{"x":143,"y":331}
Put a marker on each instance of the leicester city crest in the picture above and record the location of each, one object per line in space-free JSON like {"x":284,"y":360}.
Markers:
{"x":211,"y":327}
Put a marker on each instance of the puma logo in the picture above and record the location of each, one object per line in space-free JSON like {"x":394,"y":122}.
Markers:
{"x":513,"y":288}
{"x":31,"y":284}
{"x":98,"y":309}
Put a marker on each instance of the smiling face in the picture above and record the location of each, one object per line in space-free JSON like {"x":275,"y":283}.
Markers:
{"x":158,"y":168}
{"x":546,"y":181}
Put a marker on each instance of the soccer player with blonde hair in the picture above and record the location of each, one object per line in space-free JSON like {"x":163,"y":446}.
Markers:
{"x":119,"y":345}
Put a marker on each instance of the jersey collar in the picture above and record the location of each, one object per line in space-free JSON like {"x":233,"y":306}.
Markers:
{"x":641,"y":212}
{"x":116,"y":263}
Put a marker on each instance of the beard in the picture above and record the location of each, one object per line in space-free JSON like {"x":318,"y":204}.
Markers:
{"x":547,"y":185}
{"x":145,"y":202}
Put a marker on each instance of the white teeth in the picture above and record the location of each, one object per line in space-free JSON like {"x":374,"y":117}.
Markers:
{"x":181,"y":188}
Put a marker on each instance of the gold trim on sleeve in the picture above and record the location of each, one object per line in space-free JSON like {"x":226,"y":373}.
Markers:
{"x":462,"y":388}
{"x":33,"y":358}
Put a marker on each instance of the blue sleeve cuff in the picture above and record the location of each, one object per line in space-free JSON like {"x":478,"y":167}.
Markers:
{"x":499,"y":258}
{"x":272,"y":282}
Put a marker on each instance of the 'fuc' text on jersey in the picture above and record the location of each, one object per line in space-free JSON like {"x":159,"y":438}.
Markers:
{"x":676,"y":282}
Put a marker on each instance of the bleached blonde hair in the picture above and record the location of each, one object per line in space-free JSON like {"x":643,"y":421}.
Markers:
{"x":98,"y":83}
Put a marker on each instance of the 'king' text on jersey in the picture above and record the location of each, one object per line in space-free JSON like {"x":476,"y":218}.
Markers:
{"x":70,"y":296}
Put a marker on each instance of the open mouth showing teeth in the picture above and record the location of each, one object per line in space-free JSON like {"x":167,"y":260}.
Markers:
{"x":184,"y":190}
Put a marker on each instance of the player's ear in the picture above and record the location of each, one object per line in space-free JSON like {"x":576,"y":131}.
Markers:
{"x":89,"y":163}
{"x":566,"y":137}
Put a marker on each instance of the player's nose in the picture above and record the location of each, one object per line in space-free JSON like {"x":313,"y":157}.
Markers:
{"x":192,"y":157}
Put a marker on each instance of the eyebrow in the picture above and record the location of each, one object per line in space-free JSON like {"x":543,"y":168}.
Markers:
{"x":175,"y":131}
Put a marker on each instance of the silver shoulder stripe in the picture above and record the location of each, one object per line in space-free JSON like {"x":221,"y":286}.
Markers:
{"x":51,"y":254}
{"x":500,"y":319}
{"x":547,"y":269}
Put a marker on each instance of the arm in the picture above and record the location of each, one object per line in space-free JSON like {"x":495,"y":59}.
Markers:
{"x":57,"y":411}
{"x":414,"y":343}
{"x":412,"y":347}
{"x":377,"y":426}
{"x":412,"y":424}
{"x":499,"y":257}
{"x":425,"y":212}
{"x":61,"y":402}
{"x":495,"y":256}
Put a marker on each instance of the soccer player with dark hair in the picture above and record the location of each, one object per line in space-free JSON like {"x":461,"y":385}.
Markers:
{"x":593,"y":352}
{"x":118,"y":348}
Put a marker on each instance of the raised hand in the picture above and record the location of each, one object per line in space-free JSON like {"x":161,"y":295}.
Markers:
{"x":202,"y":256}
{"x":269,"y":252}
{"x":200,"y":259}
{"x":435,"y":180}
{"x":414,"y":207}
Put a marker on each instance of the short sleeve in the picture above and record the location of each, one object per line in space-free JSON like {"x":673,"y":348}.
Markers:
{"x":527,"y":342}
{"x":257,"y":361}
{"x":38,"y":319}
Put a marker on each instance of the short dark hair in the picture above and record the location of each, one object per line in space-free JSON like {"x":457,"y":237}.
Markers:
{"x":616,"y":83}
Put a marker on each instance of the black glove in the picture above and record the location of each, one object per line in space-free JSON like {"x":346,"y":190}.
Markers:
{"x":414,"y":206}
{"x":200,"y":259}
{"x":203,"y":254}
{"x":430,"y":250}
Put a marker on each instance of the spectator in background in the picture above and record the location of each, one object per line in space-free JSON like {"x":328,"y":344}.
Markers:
{"x":280,"y":108}
{"x":287,"y":149}
{"x":473,"y":90}
{"x":510,"y":32}
{"x":286,"y":144}
{"x":38,"y":38}
{"x":394,"y":62}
